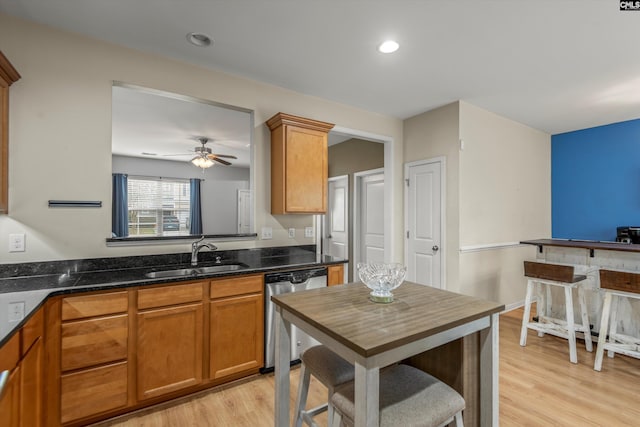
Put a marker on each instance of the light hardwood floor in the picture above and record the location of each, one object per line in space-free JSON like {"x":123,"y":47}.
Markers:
{"x":538,"y":387}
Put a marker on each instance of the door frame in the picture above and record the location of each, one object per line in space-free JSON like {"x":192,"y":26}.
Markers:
{"x":357,"y":200}
{"x":443,"y":218}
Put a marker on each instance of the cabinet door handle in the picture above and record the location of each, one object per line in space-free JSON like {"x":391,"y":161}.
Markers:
{"x":435,"y":248}
{"x":4,"y":378}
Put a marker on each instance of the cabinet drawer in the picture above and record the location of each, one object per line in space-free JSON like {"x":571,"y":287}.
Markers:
{"x":169,"y":295}
{"x":236,"y":286}
{"x":93,"y":391}
{"x":32,"y":330}
{"x":94,"y":341}
{"x":94,"y":305}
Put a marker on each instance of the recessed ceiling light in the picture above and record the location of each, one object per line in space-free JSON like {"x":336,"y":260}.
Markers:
{"x":388,"y":46}
{"x":199,"y":39}
{"x":148,"y":154}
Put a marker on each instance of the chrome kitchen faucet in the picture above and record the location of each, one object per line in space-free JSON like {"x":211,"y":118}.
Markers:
{"x":195,"y":248}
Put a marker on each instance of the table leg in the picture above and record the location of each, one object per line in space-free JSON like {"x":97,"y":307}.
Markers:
{"x":366,"y":396}
{"x":489,"y":375}
{"x":281,"y":369}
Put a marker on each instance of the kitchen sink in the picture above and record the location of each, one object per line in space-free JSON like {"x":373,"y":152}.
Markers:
{"x":194,"y":271}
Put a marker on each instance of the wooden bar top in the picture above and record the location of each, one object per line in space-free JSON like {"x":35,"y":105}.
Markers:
{"x":585,"y":244}
{"x":346,"y":314}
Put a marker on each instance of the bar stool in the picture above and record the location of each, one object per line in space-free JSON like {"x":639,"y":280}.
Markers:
{"x":408,"y":397}
{"x":616,"y":285}
{"x":331,"y":370}
{"x":546,"y":275}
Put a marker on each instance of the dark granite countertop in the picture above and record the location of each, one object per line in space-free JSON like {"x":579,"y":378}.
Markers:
{"x":33,"y":283}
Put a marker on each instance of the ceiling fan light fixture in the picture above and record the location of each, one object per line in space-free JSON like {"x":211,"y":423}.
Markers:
{"x":202,"y":162}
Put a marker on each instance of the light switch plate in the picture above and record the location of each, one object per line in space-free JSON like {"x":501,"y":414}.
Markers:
{"x":16,"y":242}
{"x":292,"y":233}
{"x":308,"y":232}
{"x":267,"y":233}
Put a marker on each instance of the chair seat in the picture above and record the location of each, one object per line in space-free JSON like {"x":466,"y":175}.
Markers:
{"x":327,"y":366}
{"x":408,"y":397}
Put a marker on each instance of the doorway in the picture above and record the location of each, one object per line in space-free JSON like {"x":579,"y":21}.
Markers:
{"x":424,"y":216}
{"x":351,"y":152}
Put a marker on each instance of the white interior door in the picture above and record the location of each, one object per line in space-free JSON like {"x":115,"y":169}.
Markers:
{"x":244,"y":211}
{"x":423,"y":222}
{"x":370,"y":216}
{"x":336,"y":234}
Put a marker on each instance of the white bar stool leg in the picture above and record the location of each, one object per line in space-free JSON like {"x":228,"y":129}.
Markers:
{"x":459,"y":422}
{"x":571,"y":330}
{"x":604,"y":323}
{"x":613,"y":322}
{"x":585,"y":320}
{"x":541,"y":305}
{"x":527,"y":313}
{"x":303,"y":390}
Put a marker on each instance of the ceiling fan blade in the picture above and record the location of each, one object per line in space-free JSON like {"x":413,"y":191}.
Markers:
{"x":224,"y":156}
{"x":224,"y":162}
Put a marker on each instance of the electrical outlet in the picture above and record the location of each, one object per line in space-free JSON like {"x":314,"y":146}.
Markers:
{"x":308,"y":232}
{"x":292,"y":233}
{"x":267,"y":233}
{"x":16,"y":311}
{"x":16,"y":242}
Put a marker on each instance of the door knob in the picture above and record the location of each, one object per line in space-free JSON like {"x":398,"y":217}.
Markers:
{"x":329,"y":236}
{"x":435,"y":248}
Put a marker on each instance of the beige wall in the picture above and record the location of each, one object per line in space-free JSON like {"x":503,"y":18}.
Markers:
{"x":434,"y":134}
{"x":60,"y":138}
{"x":498,"y":191}
{"x":505,"y":197}
{"x":347,"y":158}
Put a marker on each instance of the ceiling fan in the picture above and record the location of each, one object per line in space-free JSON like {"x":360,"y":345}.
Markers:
{"x":204,"y":157}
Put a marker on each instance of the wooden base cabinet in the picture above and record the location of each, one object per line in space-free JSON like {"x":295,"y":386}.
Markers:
{"x":22,"y":356}
{"x":169,"y":350}
{"x":116,"y":351}
{"x":90,"y":350}
{"x":335,"y":275}
{"x":236,"y":321}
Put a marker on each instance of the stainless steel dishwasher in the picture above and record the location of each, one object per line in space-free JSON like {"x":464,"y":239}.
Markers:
{"x":282,"y":283}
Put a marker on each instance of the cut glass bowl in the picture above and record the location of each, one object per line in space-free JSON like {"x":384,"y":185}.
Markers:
{"x":381,"y":279}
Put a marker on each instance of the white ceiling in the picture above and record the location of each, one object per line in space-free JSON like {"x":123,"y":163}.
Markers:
{"x":556,"y":65}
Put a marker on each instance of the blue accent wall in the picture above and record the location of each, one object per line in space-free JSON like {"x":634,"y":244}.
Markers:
{"x":595,"y":181}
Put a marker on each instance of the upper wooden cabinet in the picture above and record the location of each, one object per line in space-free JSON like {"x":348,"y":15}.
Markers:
{"x":299,"y":169}
{"x":8,"y":76}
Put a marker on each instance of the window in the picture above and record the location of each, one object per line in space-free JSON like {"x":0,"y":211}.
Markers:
{"x":158,"y":206}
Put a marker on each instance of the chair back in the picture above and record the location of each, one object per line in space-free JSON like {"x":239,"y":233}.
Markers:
{"x":620,"y":281}
{"x":541,"y":270}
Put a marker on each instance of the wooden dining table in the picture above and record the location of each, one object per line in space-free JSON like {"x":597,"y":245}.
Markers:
{"x":370,"y":335}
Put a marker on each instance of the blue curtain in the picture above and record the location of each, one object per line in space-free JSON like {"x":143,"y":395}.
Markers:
{"x":195,"y":207}
{"x":119,"y":214}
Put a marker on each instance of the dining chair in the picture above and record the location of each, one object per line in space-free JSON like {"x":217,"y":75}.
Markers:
{"x":331,"y":370}
{"x":407,"y":397}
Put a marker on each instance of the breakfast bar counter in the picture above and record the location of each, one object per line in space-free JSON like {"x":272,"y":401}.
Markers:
{"x":589,"y":256}
{"x":374,"y":335}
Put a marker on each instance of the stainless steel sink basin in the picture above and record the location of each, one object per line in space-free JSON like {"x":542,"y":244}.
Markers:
{"x":195,"y":271}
